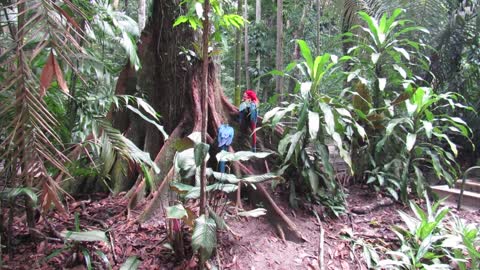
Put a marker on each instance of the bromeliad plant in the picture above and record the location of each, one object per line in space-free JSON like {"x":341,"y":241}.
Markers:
{"x":320,"y":121}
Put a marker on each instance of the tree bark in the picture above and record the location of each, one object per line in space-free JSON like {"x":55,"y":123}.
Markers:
{"x":319,"y":15}
{"x":298,"y":34}
{"x":238,"y":59}
{"x":203,"y":176}
{"x":142,"y":9}
{"x":258,"y":18}
{"x":247,"y":53}
{"x":279,"y":49}
{"x":173,"y":86}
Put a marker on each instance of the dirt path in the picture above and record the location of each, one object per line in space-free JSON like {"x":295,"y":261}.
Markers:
{"x":257,"y":247}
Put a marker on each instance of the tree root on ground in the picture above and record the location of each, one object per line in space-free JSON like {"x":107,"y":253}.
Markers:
{"x":155,"y":201}
{"x":276,"y":215}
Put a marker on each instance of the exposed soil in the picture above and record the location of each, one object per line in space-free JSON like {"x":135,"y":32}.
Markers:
{"x":257,"y":245}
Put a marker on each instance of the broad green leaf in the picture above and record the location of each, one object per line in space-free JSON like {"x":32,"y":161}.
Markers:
{"x":394,"y":122}
{"x":453,"y":146}
{"x":180,"y":20}
{"x":328,"y":118}
{"x":149,"y":109}
{"x":131,"y":263}
{"x":409,"y":221}
{"x":176,"y":211}
{"x":180,"y":188}
{"x":295,"y":139}
{"x":194,"y":193}
{"x":104,"y":258}
{"x":393,"y":193}
{"x":271,"y":113}
{"x":400,"y":70}
{"x":436,"y":164}
{"x":411,"y":107}
{"x":313,"y":179}
{"x":283,"y":144}
{"x":313,"y":124}
{"x":411,"y":138}
{"x":382,"y":82}
{"x":305,"y":89}
{"x":375,"y":57}
{"x":159,"y":127}
{"x":204,"y":237}
{"x":403,"y":52}
{"x":267,"y":176}
{"x":223,"y":177}
{"x":89,"y":236}
{"x":199,"y":9}
{"x":418,"y":211}
{"x":322,"y":150}
{"x":282,"y":113}
{"x":87,"y":258}
{"x":232,"y":179}
{"x":372,"y":27}
{"x":240,"y":155}
{"x":184,"y":162}
{"x":13,"y":193}
{"x":253,"y":213}
{"x":306,"y":54}
{"x":196,"y":137}
{"x":361,"y":131}
{"x":428,"y":128}
{"x":200,"y":153}
{"x":219,"y":221}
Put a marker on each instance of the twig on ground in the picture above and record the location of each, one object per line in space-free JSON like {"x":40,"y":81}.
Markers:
{"x":112,"y":246}
{"x":321,"y":257}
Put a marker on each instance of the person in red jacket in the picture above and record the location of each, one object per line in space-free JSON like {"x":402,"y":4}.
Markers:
{"x":248,"y":111}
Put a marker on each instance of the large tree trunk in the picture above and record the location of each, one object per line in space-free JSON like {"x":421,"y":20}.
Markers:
{"x":172,"y":86}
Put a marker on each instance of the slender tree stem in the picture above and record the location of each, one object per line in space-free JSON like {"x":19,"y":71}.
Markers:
{"x":204,"y":87}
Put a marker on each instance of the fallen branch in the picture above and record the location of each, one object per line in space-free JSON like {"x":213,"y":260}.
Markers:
{"x":321,"y":257}
{"x":365,"y":209}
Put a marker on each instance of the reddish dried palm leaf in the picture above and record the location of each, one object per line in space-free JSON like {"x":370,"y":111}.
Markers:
{"x":69,"y":19}
{"x":58,"y":73}
{"x":45,"y":198}
{"x":47,"y":74}
{"x":50,"y":69}
{"x":53,"y":196}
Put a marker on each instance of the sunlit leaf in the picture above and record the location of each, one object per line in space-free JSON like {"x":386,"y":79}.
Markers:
{"x":176,"y":211}
{"x":204,"y":237}
{"x":89,"y":236}
{"x":131,"y":263}
{"x":253,"y":213}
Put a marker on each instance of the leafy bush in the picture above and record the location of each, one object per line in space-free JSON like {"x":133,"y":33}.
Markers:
{"x":408,"y":125}
{"x":430,"y":240}
{"x":318,"y":121}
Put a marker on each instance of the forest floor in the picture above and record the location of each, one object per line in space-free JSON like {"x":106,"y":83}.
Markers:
{"x":256,"y":245}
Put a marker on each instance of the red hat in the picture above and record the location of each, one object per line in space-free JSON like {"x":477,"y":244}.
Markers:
{"x":251,"y":95}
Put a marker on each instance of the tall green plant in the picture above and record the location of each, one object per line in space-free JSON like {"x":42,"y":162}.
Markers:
{"x":432,"y":240}
{"x":319,"y":121}
{"x":406,"y":123}
{"x":191,"y":154}
{"x":416,"y":138}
